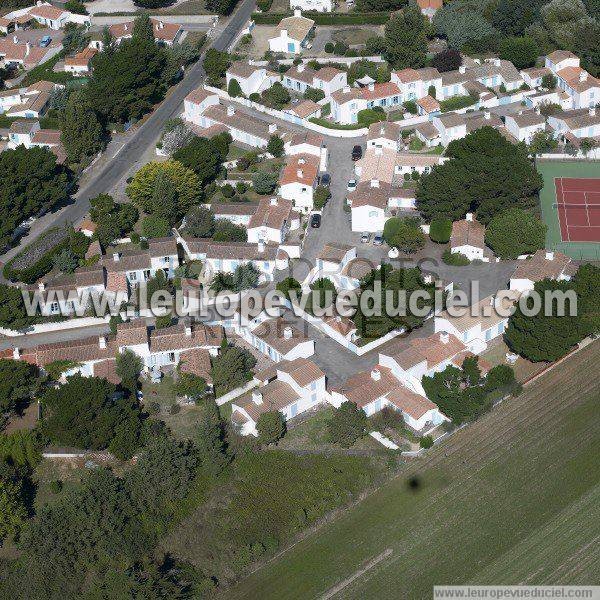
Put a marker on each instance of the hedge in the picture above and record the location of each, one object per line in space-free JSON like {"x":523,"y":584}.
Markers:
{"x":330,"y":125}
{"x":440,"y":230}
{"x":457,"y":102}
{"x":367,"y":18}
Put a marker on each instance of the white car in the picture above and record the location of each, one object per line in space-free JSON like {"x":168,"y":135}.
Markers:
{"x":351,"y":185}
{"x":365,"y":237}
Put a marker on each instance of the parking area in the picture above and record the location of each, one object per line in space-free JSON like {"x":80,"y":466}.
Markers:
{"x":33,"y":36}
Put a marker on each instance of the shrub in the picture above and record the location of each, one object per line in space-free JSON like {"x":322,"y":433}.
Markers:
{"x":329,"y":48}
{"x":155,"y":227}
{"x":56,"y":486}
{"x":321,"y":197}
{"x":241,"y":187}
{"x":174,"y":409}
{"x":426,"y":441}
{"x":455,"y":259}
{"x":457,"y":102}
{"x":271,"y":427}
{"x":410,"y":106}
{"x":440,"y":230}
{"x":347,"y":425}
{"x":405,"y":234}
{"x":264,"y":5}
{"x":369,"y":116}
{"x":154,"y":408}
{"x":227,"y":190}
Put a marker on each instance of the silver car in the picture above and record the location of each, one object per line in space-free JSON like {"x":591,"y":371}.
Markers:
{"x":378,"y":239}
{"x":365,"y":237}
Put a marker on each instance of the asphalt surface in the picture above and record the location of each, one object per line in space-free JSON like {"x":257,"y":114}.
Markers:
{"x":143,"y":138}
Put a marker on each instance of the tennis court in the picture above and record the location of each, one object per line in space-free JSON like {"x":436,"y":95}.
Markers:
{"x":578,"y":205}
{"x":570,"y":207}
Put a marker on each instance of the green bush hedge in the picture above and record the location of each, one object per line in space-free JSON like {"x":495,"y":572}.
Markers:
{"x":371,"y":18}
{"x":330,"y":125}
{"x":455,"y":259}
{"x":440,"y":230}
{"x":457,"y":102}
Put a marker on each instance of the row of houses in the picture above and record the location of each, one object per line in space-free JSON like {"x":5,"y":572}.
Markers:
{"x":42,"y":13}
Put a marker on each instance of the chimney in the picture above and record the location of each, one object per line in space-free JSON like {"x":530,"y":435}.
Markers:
{"x":261,"y":246}
{"x":301,"y":161}
{"x":375,"y":374}
{"x":16,"y":354}
{"x":583,"y":76}
{"x":272,"y":127}
{"x":462,"y":69}
{"x":116,"y":257}
{"x":497,"y":62}
{"x":300,"y":173}
{"x":188,"y":329}
{"x":300,"y":68}
{"x":41,"y":286}
{"x":487,"y":115}
{"x":592,"y":111}
{"x":492,"y":300}
{"x":274,"y":201}
{"x":125,"y":27}
{"x":382,"y":130}
{"x":469,"y":217}
{"x":346,"y":89}
{"x":287,"y":333}
{"x":27,"y":49}
{"x":230,"y":111}
{"x":520,"y":112}
{"x":549,"y":255}
{"x":371,"y":87}
{"x":161,"y":25}
{"x":102,"y":342}
{"x":374,"y":183}
{"x":444,"y":337}
{"x":257,"y":397}
{"x":297,"y":12}
{"x":284,"y":33}
{"x":378,"y":150}
{"x":538,"y":110}
{"x":15,"y":39}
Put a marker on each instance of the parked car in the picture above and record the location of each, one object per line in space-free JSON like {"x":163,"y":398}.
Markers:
{"x":357,"y":152}
{"x":45,"y":41}
{"x":315,"y":220}
{"x":351,"y":185}
{"x":325,"y":179}
{"x":378,"y":239}
{"x":365,"y":237}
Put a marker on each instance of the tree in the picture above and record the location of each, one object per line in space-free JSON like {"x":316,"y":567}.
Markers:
{"x":226,"y":231}
{"x":513,"y":17}
{"x":264,"y":183}
{"x":128,"y":367}
{"x":221,"y":7}
{"x":153,"y":3}
{"x":190,"y":385}
{"x":313,"y":94}
{"x":347,"y":425}
{"x":85,"y":413}
{"x":404,"y":234}
{"x":549,"y":81}
{"x":544,"y":337}
{"x":500,"y":377}
{"x":245,"y":277}
{"x":165,"y":199}
{"x":13,"y":314}
{"x":129,"y":79}
{"x":234,"y":89}
{"x":275,"y":146}
{"x":231,"y":369}
{"x":175,"y":137}
{"x":587,"y":145}
{"x":113,"y":220}
{"x":13,"y":507}
{"x":142,"y":28}
{"x":210,"y":439}
{"x":375,"y":46}
{"x":65,"y":261}
{"x":271,"y":427}
{"x":76,"y":37}
{"x":200,"y":222}
{"x":521,"y":51}
{"x":323,"y":294}
{"x":486,"y":174}
{"x":542,"y":141}
{"x":201,"y":156}
{"x":587,"y":285}
{"x":186,"y":183}
{"x":215,"y":64}
{"x":406,"y":39}
{"x":25,"y":191}
{"x":275,"y":96}
{"x":19,"y":381}
{"x":288,"y":285}
{"x":447,"y":60}
{"x":221,"y":282}
{"x":153,"y":226}
{"x":440,"y":230}
{"x":461,"y":23}
{"x":321,"y":197}
{"x":515,"y":232}
{"x":82,"y":134}
{"x":380,"y":5}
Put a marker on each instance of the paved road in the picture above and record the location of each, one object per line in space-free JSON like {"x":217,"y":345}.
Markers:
{"x":145,"y":137}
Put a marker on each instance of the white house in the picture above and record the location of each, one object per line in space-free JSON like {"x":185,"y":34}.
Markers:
{"x":80,"y":63}
{"x":272,"y":221}
{"x":327,"y":79}
{"x":292,"y":34}
{"x":575,"y":125}
{"x":28,"y":133}
{"x":406,"y":163}
{"x":291,"y":387}
{"x":47,"y":16}
{"x":307,"y":142}
{"x":416,"y":84}
{"x":572,"y":79}
{"x":533,"y":76}
{"x":226,"y":257}
{"x":542,"y":265}
{"x":384,"y":134}
{"x":298,"y":180}
{"x":368,"y":205}
{"x":481,"y":322}
{"x":524,"y":125}
{"x":430,"y":7}
{"x":252,"y":79}
{"x":164,"y":33}
{"x":239,"y":213}
{"x":379,"y":388}
{"x":468,"y":238}
{"x":196,"y":102}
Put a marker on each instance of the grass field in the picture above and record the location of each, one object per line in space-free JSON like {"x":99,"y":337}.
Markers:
{"x":514,"y":499}
{"x":549,"y":170}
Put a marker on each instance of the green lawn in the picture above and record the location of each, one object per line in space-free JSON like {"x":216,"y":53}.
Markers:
{"x":516,"y":500}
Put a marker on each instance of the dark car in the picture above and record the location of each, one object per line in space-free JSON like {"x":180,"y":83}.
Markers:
{"x":356,"y":152}
{"x":315,"y":220}
{"x":325,"y":179}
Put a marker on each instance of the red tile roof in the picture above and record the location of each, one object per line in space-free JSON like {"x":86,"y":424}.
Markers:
{"x":300,"y":168}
